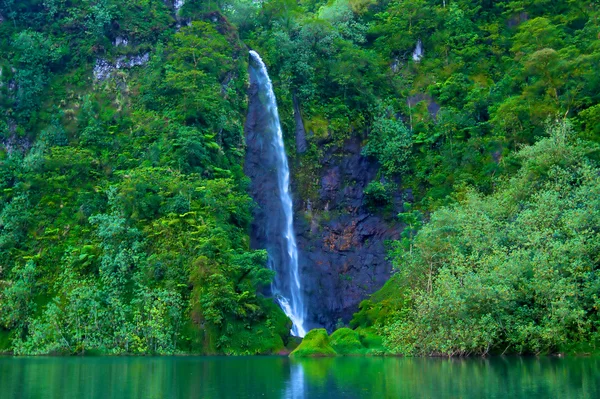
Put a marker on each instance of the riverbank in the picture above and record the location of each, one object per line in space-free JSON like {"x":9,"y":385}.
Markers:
{"x":365,"y":342}
{"x":344,"y":342}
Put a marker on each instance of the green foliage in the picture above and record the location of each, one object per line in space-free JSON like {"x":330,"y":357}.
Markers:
{"x":377,"y":193}
{"x":371,"y":340}
{"x":243,"y":338}
{"x":590,"y":123}
{"x":390,"y":143}
{"x":36,"y":54}
{"x":14,"y":220}
{"x":99,"y":17}
{"x":18,"y":306}
{"x":514,"y":271}
{"x":124,"y":218}
{"x":490,"y":77}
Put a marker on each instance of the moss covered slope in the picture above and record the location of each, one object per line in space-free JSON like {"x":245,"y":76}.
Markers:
{"x":342,"y":342}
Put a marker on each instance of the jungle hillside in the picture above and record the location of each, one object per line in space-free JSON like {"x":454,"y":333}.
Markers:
{"x":125,"y":209}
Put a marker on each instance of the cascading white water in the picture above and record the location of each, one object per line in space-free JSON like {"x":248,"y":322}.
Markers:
{"x":177,"y":4}
{"x":288,"y":295}
{"x":418,"y":53}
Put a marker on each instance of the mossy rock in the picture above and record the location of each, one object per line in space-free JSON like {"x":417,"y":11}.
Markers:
{"x":347,"y":342}
{"x":318,"y":126}
{"x":370,"y":339}
{"x":314,"y":344}
{"x":382,"y":304}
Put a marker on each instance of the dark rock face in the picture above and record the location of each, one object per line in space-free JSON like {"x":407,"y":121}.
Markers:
{"x":432,"y":107}
{"x":342,"y":256}
{"x":263,"y":176}
{"x":341,"y":241}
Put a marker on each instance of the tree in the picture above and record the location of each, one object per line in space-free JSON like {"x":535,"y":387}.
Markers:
{"x":35,"y":54}
{"x":18,"y":298}
{"x":513,"y":270}
{"x":98,"y":17}
{"x":390,"y":142}
{"x":14,"y":221}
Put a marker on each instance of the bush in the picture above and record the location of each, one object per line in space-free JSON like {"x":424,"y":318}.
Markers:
{"x":391,"y":143}
{"x":516,"y":270}
{"x":377,"y":194}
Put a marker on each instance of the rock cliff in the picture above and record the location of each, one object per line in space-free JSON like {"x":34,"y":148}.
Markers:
{"x":341,"y":239}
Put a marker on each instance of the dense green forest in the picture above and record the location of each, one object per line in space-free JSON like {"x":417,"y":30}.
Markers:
{"x":125,"y":215}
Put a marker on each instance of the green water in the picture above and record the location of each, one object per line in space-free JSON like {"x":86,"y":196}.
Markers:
{"x":279,"y":377}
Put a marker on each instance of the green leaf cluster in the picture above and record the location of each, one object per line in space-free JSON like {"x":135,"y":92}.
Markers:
{"x":125,"y":215}
{"x":515,"y":271}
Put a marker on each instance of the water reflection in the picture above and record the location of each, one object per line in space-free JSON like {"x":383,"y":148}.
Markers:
{"x":278,"y":377}
{"x":452,"y":378}
{"x":296,"y":382}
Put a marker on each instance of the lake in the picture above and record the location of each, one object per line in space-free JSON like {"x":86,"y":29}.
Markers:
{"x":280,"y":377}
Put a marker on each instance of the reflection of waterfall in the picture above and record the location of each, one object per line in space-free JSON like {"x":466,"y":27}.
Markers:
{"x":295,"y":385}
{"x":281,"y":243}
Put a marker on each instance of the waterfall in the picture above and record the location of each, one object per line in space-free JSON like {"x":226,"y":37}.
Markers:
{"x":177,"y":4}
{"x":281,"y":244}
{"x":418,"y":53}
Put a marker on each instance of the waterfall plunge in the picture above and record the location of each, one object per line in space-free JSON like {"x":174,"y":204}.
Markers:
{"x":286,"y":286}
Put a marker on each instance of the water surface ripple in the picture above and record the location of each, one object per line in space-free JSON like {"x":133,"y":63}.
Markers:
{"x":282,"y":378}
